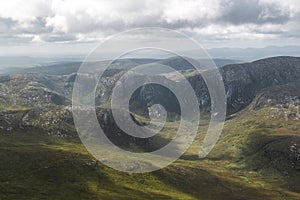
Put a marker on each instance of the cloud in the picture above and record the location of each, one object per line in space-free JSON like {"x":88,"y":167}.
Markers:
{"x":254,"y":11}
{"x":92,"y":20}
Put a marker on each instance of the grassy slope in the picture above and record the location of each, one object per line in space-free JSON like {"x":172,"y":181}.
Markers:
{"x":34,"y":165}
{"x":37,"y":166}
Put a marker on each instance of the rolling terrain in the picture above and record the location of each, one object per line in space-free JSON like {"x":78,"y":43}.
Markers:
{"x":257,"y":156}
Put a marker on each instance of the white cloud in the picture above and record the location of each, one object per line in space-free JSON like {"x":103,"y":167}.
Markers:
{"x":91,"y":20}
{"x":24,"y":11}
{"x":191,"y":11}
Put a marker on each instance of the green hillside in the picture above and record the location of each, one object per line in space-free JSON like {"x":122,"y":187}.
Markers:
{"x":256,"y":157}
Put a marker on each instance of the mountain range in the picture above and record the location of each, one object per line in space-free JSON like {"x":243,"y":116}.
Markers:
{"x":258,"y":153}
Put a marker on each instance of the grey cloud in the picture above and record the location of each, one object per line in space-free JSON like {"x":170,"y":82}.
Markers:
{"x":254,"y":11}
{"x":6,"y":39}
{"x":6,"y":24}
{"x":14,"y":27}
{"x":58,"y":37}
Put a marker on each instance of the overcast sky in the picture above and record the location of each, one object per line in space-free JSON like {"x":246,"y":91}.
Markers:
{"x":73,"y":27}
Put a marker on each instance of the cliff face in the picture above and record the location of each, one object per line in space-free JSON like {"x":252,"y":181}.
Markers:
{"x":242,"y":83}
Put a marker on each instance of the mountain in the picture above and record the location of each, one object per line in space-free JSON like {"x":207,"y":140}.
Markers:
{"x":242,"y":83}
{"x":250,"y":54}
{"x":265,"y":135}
{"x":35,"y":90}
{"x":66,"y":68}
{"x":257,"y":154}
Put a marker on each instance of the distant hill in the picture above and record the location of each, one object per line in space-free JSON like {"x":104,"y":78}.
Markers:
{"x":251,"y":54}
{"x":66,"y":68}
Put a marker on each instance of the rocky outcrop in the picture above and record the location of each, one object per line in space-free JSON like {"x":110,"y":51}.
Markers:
{"x":49,"y":120}
{"x":242,"y":83}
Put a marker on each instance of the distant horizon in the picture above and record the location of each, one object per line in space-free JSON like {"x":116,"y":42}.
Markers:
{"x":248,"y":54}
{"x":55,"y":63}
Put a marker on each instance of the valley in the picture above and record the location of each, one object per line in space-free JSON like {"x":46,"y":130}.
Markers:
{"x":256,"y":157}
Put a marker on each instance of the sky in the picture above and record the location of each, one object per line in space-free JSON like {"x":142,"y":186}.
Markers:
{"x":70,"y":27}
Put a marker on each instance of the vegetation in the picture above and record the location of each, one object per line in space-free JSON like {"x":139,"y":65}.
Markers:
{"x":34,"y":165}
{"x":257,"y":156}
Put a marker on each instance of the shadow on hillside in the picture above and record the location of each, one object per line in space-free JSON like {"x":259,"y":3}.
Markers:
{"x":31,"y":169}
{"x":275,"y":156}
{"x":203,"y":184}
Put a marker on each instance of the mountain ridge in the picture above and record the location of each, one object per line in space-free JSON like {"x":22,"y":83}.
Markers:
{"x":257,"y":154}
